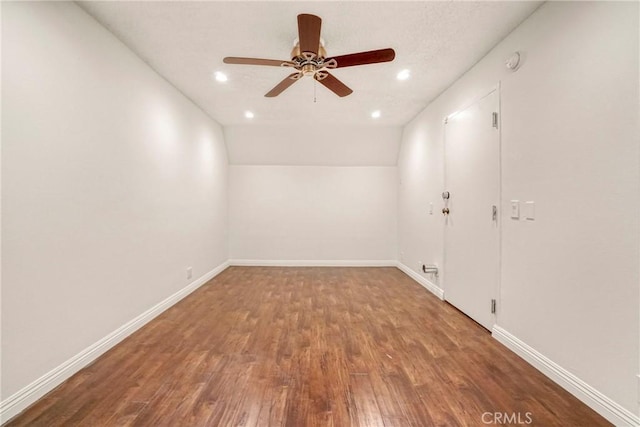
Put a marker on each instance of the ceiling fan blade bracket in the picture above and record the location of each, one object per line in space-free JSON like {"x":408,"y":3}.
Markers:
{"x":320,"y":75}
{"x":330,"y":63}
{"x":308,"y":56}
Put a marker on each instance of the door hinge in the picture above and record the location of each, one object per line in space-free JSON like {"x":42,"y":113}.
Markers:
{"x":494,"y":120}
{"x":493,"y":306}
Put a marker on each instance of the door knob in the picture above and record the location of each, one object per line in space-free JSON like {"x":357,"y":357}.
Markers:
{"x":445,"y":211}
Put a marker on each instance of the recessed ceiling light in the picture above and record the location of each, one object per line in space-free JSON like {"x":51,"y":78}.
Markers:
{"x":220,"y":76}
{"x":403,"y":75}
{"x":376,"y":114}
{"x":249,"y":115}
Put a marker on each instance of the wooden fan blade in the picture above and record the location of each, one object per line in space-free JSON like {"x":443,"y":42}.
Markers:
{"x":254,"y":61}
{"x":335,"y":85}
{"x":362,"y":58}
{"x":280,"y":87}
{"x":309,"y":32}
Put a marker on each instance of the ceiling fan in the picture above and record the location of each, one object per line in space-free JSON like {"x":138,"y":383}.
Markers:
{"x":309,"y":58}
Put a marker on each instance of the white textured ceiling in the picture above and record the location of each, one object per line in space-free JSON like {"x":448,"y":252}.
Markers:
{"x":186,"y":41}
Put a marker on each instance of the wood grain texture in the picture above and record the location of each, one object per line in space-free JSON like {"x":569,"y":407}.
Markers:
{"x":255,"y":61}
{"x":284,"y":84}
{"x":335,"y":85}
{"x":309,"y":27}
{"x":275,"y":346}
{"x":363,"y":58}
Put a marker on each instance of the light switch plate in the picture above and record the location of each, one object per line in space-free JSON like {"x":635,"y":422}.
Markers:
{"x":515,"y":209}
{"x":530,"y":211}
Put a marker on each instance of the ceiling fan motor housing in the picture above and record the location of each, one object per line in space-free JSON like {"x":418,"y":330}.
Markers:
{"x":310,"y":64}
{"x":308,"y":69}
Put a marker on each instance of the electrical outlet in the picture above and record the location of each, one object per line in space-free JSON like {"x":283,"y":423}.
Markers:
{"x":189,"y":273}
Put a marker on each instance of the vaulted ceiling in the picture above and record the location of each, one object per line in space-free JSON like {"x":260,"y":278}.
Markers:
{"x":186,"y":41}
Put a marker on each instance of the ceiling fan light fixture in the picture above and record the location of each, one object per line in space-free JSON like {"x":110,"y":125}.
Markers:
{"x":403,"y":75}
{"x":308,"y":70}
{"x":220,"y":77}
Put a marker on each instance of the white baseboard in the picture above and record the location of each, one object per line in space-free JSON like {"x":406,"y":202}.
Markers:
{"x":312,"y":263}
{"x":424,"y":282}
{"x":597,"y":401}
{"x":25,"y":397}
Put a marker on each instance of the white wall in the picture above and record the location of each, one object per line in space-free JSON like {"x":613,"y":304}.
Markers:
{"x":314,"y":213}
{"x":300,"y":145}
{"x":313,"y":196}
{"x":112,"y":184}
{"x":570,"y":279}
{"x":420,"y":175}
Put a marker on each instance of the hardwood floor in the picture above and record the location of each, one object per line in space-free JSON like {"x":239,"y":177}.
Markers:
{"x":270,"y":346}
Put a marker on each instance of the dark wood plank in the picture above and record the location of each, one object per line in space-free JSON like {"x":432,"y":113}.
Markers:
{"x":260,"y":346}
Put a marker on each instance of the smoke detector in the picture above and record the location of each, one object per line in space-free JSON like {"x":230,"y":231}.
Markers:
{"x":513,"y":62}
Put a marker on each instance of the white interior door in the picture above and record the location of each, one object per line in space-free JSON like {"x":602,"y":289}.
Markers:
{"x":472,"y":234}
